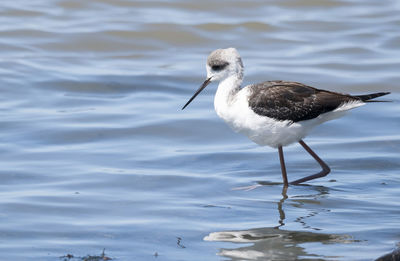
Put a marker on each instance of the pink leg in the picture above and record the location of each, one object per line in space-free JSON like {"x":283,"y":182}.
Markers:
{"x":325,"y":168}
{"x":283,"y":167}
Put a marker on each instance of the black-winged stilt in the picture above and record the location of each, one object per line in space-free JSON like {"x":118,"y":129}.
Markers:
{"x":274,"y":113}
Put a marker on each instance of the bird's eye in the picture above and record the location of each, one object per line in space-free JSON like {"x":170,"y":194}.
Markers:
{"x":219,"y":67}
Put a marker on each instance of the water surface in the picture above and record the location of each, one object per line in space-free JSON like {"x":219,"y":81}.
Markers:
{"x":96,"y":153}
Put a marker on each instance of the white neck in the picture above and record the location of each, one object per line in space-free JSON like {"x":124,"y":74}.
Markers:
{"x":225,"y":96}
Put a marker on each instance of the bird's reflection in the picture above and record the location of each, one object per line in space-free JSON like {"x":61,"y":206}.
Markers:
{"x":282,"y":215}
{"x":275,"y":243}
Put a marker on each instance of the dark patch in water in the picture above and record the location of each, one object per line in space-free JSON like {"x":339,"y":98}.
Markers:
{"x":101,"y":257}
{"x":179,"y":242}
{"x":393,"y":256}
{"x":214,"y":206}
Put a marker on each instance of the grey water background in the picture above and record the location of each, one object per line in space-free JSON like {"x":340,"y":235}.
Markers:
{"x":96,"y":153}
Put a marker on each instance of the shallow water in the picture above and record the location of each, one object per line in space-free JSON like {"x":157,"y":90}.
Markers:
{"x":96,"y":153}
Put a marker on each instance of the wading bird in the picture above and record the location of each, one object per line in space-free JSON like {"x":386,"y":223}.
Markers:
{"x":274,"y":113}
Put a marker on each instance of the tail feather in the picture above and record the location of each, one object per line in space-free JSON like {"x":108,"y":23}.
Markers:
{"x":368,"y":97}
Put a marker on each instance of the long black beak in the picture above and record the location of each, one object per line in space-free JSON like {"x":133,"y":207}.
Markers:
{"x":205,"y":83}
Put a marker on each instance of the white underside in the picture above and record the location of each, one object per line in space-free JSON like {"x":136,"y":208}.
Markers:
{"x":235,"y":111}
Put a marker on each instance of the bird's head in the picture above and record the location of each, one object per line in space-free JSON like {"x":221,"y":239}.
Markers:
{"x":221,"y":64}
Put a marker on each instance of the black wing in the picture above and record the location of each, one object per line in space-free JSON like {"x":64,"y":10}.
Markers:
{"x":293,"y":101}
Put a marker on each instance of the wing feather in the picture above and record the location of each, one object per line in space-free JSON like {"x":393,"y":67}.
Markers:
{"x":293,"y":101}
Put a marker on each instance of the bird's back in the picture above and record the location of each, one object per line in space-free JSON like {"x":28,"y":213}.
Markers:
{"x":293,"y":101}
